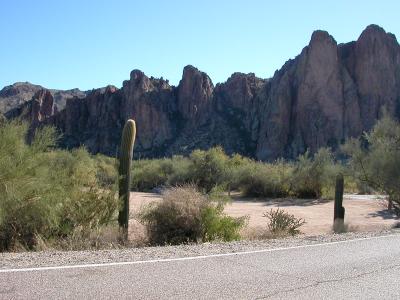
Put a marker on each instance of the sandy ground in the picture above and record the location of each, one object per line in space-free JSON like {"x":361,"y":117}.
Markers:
{"x":363,"y":212}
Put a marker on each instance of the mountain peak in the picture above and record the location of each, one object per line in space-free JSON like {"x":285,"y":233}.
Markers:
{"x":376,"y":32}
{"x":320,"y":36}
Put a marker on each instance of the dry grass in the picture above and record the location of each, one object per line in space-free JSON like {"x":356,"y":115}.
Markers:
{"x":104,"y":238}
{"x":259,"y":233}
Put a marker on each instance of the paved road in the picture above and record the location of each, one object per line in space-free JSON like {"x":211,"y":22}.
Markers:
{"x":367,"y":269}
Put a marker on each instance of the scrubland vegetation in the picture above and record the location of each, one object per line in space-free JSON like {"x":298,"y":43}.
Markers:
{"x":374,"y":160}
{"x":307,"y":177}
{"x":56,"y":197}
{"x":47,"y":194}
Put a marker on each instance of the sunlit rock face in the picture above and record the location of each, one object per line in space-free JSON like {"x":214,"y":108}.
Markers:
{"x":330,"y":92}
{"x":37,"y":110}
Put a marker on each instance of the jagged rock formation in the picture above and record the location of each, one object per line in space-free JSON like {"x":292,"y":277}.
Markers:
{"x":194,"y":96}
{"x":325,"y":95}
{"x":17,"y":94}
{"x":39,"y":109}
{"x":330,"y":92}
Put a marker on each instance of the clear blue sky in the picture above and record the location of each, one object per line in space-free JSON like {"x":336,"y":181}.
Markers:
{"x":86,"y":44}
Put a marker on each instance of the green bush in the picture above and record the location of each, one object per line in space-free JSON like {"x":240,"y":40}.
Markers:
{"x":375,"y":160}
{"x":209,"y":168}
{"x":2,"y":119}
{"x":47,"y":194}
{"x":264,"y":180}
{"x":184,"y":215}
{"x":147,"y":175}
{"x":205,"y":169}
{"x":218,"y":226}
{"x":314,"y":176}
{"x":181,"y":171}
{"x":106,"y":169}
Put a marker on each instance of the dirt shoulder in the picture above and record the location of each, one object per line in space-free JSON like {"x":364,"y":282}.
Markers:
{"x":363,"y":212}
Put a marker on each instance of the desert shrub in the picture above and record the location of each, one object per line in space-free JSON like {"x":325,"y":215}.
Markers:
{"x":208,"y":168}
{"x":283,"y":223}
{"x":231,"y":172}
{"x":185,"y":215}
{"x":205,"y":169}
{"x":148,"y":174}
{"x":181,"y":171}
{"x":375,"y":159}
{"x":86,"y":204}
{"x":47,"y":193}
{"x":258,"y":179}
{"x":314,"y":175}
{"x":308,"y":177}
{"x":106,"y":169}
{"x":218,"y":226}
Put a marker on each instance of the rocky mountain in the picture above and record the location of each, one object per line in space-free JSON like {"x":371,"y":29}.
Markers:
{"x":326,"y":94}
{"x":17,"y":94}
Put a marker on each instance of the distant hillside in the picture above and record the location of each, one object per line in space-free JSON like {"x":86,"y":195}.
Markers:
{"x":14,"y":95}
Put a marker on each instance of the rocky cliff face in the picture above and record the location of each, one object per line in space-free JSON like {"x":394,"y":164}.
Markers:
{"x":325,"y":95}
{"x":37,"y":110}
{"x":330,"y":92}
{"x":194,"y":96}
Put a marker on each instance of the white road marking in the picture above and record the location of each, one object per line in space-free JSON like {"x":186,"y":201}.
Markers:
{"x":187,"y":258}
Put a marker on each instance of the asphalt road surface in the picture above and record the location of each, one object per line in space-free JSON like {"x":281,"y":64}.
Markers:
{"x":362,"y":269}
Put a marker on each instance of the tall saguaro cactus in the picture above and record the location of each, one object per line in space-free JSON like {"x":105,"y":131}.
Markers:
{"x":125,"y":162}
{"x":338,"y":216}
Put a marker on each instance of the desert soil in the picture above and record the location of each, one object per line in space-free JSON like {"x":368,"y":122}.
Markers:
{"x":363,"y":212}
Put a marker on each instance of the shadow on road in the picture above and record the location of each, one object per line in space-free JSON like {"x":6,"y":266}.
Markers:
{"x":282,"y":202}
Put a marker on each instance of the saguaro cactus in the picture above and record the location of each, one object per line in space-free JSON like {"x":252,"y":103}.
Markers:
{"x":125,"y":162}
{"x":338,"y":216}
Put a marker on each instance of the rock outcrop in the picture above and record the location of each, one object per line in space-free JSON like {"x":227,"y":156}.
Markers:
{"x":325,"y":95}
{"x":17,"y":94}
{"x":329,"y":93}
{"x":152,"y":103}
{"x":194,"y":96}
{"x":40,"y":108}
{"x":306,"y":102}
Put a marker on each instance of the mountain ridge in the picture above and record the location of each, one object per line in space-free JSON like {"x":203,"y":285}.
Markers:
{"x":323,"y":96}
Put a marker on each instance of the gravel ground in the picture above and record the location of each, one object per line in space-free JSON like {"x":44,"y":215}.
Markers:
{"x":57,"y":258}
{"x":363,"y":212}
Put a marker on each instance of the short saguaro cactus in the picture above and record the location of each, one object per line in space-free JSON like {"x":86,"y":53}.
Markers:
{"x":124,"y":172}
{"x":339,"y":211}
